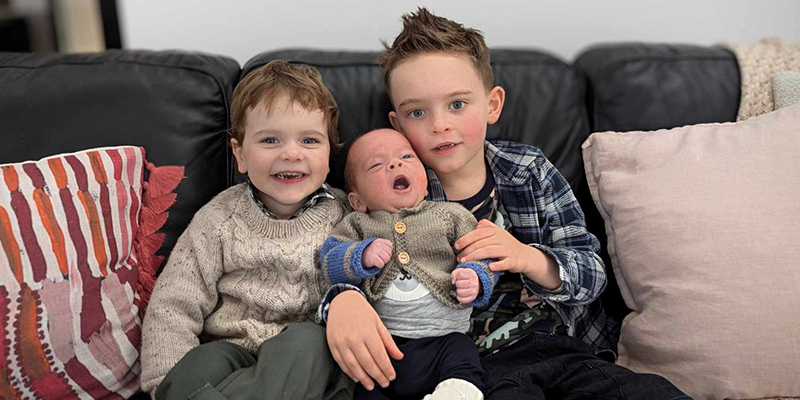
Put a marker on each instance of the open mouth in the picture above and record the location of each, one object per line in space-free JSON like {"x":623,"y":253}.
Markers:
{"x":400,"y":183}
{"x":444,"y":146}
{"x":288,"y":176}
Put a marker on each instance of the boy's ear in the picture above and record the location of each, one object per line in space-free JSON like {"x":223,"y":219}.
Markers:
{"x":395,"y":122}
{"x":356,"y":202}
{"x":238,"y":152}
{"x":497,"y":97}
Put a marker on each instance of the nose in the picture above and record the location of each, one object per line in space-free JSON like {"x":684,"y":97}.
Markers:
{"x":395,"y":164}
{"x":441,"y":123}
{"x":291,"y":152}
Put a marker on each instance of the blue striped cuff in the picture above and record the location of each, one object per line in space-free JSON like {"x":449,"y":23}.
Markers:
{"x":341,"y":261}
{"x":487,"y":281}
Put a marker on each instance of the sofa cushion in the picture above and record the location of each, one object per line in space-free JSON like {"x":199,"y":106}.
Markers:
{"x":702,"y":232}
{"x":174,"y":104}
{"x":636,"y":86}
{"x":69,"y":276}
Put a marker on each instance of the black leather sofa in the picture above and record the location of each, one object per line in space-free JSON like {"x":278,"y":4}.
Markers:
{"x":176,"y":105}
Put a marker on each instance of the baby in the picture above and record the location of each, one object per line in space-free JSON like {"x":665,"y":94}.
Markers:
{"x":398,"y":248}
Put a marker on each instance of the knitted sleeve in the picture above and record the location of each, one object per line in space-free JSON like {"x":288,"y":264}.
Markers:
{"x":184,"y":295}
{"x":341,"y":253}
{"x":463,"y":223}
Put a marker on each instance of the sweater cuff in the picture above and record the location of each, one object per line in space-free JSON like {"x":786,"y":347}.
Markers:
{"x":356,"y":264}
{"x":342,"y":261}
{"x":487,"y":280}
{"x":327,"y":299}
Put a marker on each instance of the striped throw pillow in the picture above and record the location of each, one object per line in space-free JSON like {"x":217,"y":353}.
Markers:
{"x":69,"y":304}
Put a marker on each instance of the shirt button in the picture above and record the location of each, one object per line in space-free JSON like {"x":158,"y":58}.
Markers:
{"x":403,"y":257}
{"x":400,"y":228}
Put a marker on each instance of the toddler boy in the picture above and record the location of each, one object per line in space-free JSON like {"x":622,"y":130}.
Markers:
{"x":226,"y":316}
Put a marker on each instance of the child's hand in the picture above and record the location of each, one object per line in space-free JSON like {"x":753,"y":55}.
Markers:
{"x":467,"y":284}
{"x":489,"y":241}
{"x":377,"y":254}
{"x":359,"y":341}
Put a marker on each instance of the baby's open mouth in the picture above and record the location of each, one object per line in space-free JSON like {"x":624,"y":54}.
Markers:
{"x":400,"y":183}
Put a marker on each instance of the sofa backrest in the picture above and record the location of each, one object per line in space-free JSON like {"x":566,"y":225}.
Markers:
{"x":636,"y":86}
{"x":174,"y":104}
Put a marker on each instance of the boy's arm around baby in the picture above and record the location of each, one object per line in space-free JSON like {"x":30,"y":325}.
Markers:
{"x":184,"y":295}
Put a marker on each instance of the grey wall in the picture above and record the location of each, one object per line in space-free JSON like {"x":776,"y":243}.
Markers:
{"x":243,"y":28}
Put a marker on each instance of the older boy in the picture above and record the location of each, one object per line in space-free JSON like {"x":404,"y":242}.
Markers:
{"x":226,"y":316}
{"x":399,"y":248}
{"x":441,"y":86}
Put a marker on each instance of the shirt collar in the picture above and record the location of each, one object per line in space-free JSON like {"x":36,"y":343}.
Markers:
{"x":324,"y":192}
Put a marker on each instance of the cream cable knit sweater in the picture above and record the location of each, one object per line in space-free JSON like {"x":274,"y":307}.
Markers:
{"x":237,"y":275}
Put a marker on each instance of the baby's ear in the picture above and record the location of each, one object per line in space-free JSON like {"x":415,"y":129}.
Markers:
{"x":356,"y":203}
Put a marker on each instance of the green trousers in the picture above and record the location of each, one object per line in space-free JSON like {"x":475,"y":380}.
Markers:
{"x":295,"y":364}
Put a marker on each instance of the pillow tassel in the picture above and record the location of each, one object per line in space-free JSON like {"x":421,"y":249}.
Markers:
{"x":157,"y":197}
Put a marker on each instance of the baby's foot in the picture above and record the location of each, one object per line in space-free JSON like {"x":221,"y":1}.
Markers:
{"x":455,"y":389}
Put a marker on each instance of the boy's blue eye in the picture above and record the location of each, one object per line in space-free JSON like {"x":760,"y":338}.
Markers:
{"x":457,"y":105}
{"x":309,"y":141}
{"x":416,"y":113}
{"x":269,"y":140}
{"x":407,"y":156}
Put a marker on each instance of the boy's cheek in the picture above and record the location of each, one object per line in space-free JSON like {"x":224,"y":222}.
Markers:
{"x":416,"y":136}
{"x":474,"y":128}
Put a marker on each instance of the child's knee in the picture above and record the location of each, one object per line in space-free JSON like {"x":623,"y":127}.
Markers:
{"x":209,"y":363}
{"x":218,"y":354}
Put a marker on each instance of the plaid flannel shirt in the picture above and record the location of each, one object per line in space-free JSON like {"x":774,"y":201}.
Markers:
{"x":544,"y":214}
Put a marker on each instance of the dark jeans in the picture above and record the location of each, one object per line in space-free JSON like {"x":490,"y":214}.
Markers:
{"x":542,"y":366}
{"x":295,"y":364}
{"x":425,"y":363}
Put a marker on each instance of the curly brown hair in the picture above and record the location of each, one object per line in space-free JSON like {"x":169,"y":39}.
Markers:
{"x":302,"y":83}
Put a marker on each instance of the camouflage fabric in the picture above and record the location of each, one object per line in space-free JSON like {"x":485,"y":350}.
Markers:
{"x":513,"y":311}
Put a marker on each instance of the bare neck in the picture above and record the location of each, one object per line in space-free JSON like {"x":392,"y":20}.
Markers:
{"x":467,"y":181}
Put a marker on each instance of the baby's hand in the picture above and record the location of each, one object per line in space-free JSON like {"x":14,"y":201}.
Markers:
{"x":377,"y":254}
{"x":467,"y":284}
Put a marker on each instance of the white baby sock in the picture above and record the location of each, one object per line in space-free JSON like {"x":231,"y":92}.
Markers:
{"x":455,"y":389}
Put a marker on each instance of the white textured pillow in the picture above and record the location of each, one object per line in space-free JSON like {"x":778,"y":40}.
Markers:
{"x":703,"y":228}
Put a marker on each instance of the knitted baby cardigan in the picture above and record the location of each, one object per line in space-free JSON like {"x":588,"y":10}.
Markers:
{"x":235,"y":274}
{"x":422,"y":237}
